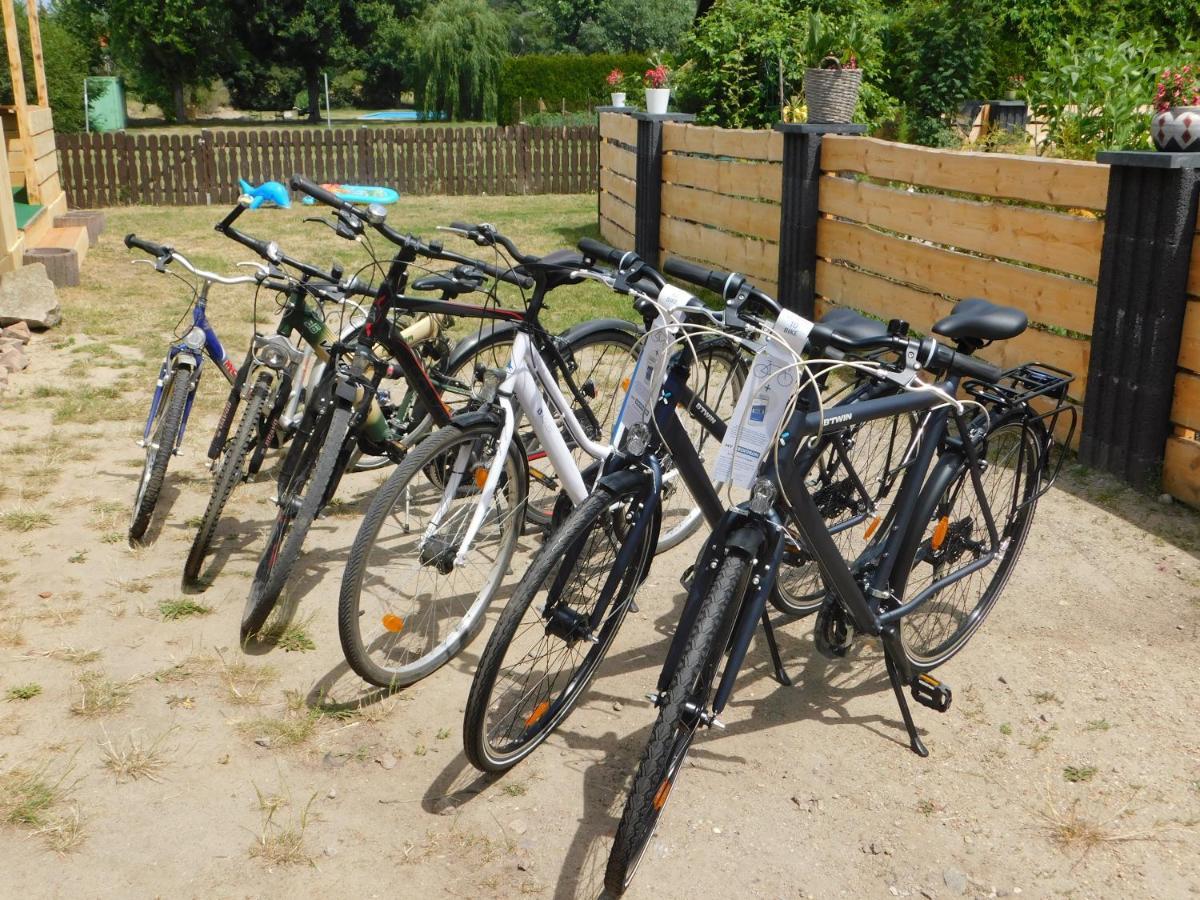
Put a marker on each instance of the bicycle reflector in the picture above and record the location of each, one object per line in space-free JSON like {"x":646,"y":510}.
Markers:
{"x":762,"y":496}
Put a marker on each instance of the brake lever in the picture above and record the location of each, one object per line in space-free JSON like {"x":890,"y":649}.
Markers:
{"x":321,"y":220}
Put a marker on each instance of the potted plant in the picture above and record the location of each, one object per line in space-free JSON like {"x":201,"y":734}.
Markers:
{"x":1176,"y":123}
{"x":616,"y":85}
{"x":1016,"y":87}
{"x":833,"y":79}
{"x":658,"y":87}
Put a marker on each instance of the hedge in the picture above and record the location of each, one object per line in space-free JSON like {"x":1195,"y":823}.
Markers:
{"x":579,"y":80}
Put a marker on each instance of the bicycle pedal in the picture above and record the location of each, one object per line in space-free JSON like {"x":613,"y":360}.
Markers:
{"x":928,"y":691}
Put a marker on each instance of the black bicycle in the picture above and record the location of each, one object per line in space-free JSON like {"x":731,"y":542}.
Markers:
{"x":561,"y":620}
{"x":925,"y":581}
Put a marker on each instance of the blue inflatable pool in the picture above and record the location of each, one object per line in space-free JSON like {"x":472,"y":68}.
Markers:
{"x":401,"y":115}
{"x":359,"y":193}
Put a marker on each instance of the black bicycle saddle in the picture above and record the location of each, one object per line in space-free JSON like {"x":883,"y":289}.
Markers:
{"x":977,"y":318}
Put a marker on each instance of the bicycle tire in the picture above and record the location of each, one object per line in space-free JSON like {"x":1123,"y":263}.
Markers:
{"x":288,"y":534}
{"x":154,"y":469}
{"x":941,"y":506}
{"x":592,"y":538}
{"x":606,"y":355}
{"x":230,"y":474}
{"x":422,"y":473}
{"x":672,"y":734}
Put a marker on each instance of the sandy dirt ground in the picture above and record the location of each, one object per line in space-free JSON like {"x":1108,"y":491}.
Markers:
{"x":159,"y":760}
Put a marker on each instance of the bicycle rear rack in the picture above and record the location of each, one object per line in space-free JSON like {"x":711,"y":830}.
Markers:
{"x":1022,"y":386}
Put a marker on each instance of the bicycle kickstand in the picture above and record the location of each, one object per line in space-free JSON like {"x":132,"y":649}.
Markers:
{"x":915,"y":742}
{"x":781,"y":674}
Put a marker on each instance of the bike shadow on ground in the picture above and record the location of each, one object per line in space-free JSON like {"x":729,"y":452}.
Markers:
{"x":340,"y":691}
{"x":167,"y":495}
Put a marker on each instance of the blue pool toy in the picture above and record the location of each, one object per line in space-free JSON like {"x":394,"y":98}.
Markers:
{"x":359,"y":193}
{"x":267,"y":192}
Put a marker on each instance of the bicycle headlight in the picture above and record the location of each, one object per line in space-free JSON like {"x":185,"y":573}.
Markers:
{"x":762,"y":496}
{"x":195,"y":339}
{"x":273,"y":356}
{"x":638,"y":439}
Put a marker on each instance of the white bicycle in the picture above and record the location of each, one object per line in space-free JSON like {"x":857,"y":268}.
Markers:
{"x":437,"y":542}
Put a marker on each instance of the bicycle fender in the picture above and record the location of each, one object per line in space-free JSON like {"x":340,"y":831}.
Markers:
{"x":466,"y":346}
{"x":465,"y":420}
{"x":585,"y":329}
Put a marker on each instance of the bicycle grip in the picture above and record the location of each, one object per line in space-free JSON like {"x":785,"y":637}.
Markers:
{"x":232,"y":215}
{"x":508,"y":275}
{"x":463,"y":226}
{"x":969,"y":366}
{"x":601,"y":252}
{"x":318,"y":193}
{"x":686,"y":271}
{"x":157,"y":250}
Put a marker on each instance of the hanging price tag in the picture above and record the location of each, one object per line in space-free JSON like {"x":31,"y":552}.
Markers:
{"x":646,"y":381}
{"x":761,"y":404}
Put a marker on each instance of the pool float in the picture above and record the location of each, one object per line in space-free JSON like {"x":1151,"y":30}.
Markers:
{"x":267,"y":192}
{"x":359,"y":193}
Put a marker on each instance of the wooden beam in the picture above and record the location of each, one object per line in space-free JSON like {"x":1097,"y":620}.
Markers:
{"x":11,"y":239}
{"x":19,"y":100}
{"x":35,"y":44}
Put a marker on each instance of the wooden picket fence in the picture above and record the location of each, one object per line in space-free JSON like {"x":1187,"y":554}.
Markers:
{"x":905,"y":232}
{"x":195,"y":169}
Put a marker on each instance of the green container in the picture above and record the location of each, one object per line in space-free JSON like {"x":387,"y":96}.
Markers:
{"x":106,"y":103}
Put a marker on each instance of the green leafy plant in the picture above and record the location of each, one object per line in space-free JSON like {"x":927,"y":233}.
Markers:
{"x":461,"y":46}
{"x":1178,"y":87}
{"x":571,"y":80}
{"x":1091,"y":94}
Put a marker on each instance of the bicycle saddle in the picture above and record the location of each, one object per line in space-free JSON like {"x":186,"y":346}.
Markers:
{"x":555,"y":268}
{"x":459,"y":280}
{"x":852,"y":325}
{"x":981,"y":320}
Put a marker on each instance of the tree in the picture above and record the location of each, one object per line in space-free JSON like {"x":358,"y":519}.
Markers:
{"x":66,"y":65}
{"x":460,"y":46}
{"x":620,"y":26}
{"x":169,"y":45}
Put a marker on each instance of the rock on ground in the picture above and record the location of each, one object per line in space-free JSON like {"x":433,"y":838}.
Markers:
{"x":27,"y":295}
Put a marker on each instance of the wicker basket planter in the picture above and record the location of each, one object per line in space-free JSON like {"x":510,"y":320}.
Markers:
{"x":831,"y":91}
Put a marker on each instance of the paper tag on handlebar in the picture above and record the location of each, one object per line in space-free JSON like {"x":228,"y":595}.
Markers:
{"x":644,"y":384}
{"x":762,"y":404}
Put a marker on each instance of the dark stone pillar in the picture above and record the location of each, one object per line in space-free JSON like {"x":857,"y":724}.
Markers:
{"x":1008,"y":115}
{"x":647,"y":213}
{"x":1141,"y":295}
{"x":799,"y":212}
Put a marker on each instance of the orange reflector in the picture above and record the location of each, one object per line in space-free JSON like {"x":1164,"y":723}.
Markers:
{"x":939,"y":533}
{"x":393,"y":623}
{"x":481,"y":477}
{"x":871,"y":528}
{"x":661,"y":795}
{"x":624,"y":384}
{"x":538,"y":712}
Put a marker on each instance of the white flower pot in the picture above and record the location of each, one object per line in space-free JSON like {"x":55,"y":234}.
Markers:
{"x":1177,"y":129}
{"x":618,"y":98}
{"x":656,"y":100}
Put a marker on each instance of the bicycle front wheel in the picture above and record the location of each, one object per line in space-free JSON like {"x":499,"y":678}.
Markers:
{"x":164,"y":439}
{"x":231,"y":473}
{"x":414,"y":591}
{"x":549,"y":642}
{"x":689,"y":693}
{"x":300,"y":499}
{"x":956,"y":536}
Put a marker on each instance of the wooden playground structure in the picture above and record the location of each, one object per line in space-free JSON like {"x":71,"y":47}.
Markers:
{"x":34,"y":224}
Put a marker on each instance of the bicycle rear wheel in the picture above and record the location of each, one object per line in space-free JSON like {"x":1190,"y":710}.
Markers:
{"x":851,"y":483}
{"x":164,"y":438}
{"x":955,"y":535}
{"x":690,"y":691}
{"x":231,"y":473}
{"x":408,"y":603}
{"x":543,"y":653}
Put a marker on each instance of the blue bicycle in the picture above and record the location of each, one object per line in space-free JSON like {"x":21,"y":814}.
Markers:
{"x":177,"y":381}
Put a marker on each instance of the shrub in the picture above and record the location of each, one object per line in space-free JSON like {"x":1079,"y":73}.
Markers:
{"x":1091,"y":92}
{"x":578,"y":80}
{"x":460,"y":47}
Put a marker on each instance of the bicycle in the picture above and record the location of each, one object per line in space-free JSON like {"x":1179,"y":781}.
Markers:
{"x":178,"y":378}
{"x":565,"y":612}
{"x":412,"y":596}
{"x":942,"y":518}
{"x":345,"y":414}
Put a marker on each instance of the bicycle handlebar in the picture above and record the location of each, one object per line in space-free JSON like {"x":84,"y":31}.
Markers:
{"x":165,"y":254}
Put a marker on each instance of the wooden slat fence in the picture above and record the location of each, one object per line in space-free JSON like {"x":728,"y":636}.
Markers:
{"x":908,"y":231}
{"x":194,"y":169}
{"x":618,"y":178}
{"x":1181,"y":465}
